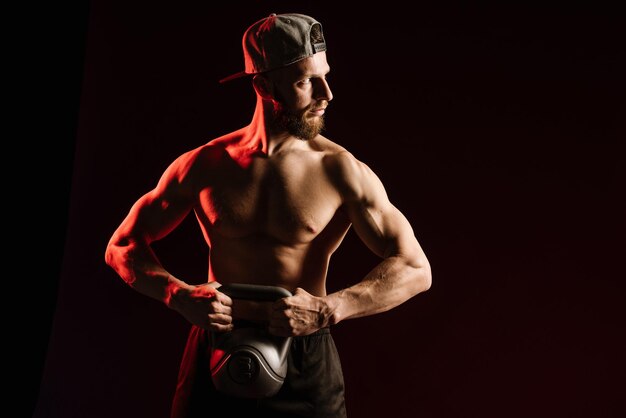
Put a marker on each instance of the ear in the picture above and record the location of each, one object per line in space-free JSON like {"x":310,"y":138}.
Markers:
{"x":263,"y":86}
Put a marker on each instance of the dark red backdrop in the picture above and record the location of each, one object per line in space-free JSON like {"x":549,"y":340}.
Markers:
{"x":498,"y":131}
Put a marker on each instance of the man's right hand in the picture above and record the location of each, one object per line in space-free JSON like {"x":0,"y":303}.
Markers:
{"x":205,"y":306}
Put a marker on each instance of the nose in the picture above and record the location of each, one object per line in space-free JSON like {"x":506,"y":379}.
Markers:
{"x":322,"y":90}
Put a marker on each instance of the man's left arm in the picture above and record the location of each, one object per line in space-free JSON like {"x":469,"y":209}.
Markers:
{"x":403,"y":272}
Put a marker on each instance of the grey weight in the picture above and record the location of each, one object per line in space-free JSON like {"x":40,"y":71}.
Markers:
{"x":248,"y":361}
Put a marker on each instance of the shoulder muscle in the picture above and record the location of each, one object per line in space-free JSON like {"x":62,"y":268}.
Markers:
{"x":354,"y":179}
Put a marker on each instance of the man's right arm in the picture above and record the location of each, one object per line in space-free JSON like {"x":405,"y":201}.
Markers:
{"x":129,"y":251}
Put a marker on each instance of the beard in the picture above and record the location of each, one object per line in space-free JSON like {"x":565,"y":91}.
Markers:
{"x":296,"y":124}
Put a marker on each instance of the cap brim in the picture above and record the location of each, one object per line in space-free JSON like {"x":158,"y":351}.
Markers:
{"x":234,"y":76}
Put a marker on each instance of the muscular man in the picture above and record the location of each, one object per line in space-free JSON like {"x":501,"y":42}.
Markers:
{"x":274,"y":200}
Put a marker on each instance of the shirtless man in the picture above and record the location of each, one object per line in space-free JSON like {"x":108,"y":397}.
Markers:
{"x":274,"y":200}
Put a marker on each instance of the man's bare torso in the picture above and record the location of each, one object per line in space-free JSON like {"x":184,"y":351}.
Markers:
{"x":274,"y":219}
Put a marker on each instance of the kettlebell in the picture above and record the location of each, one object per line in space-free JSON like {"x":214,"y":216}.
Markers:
{"x":249,"y":362}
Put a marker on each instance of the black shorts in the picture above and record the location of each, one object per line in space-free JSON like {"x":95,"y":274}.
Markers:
{"x":314,"y":385}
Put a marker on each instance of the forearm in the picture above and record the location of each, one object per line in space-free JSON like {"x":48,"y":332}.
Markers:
{"x":140,"y":268}
{"x":389,"y":284}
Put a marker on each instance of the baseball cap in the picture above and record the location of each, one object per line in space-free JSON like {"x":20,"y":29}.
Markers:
{"x":279,"y":40}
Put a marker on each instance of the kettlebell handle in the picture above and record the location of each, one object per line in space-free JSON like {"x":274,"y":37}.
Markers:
{"x":256,"y":292}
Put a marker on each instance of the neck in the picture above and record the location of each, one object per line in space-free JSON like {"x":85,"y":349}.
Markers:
{"x":259,"y":134}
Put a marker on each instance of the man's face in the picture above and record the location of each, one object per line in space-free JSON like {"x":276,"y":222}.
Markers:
{"x":301,"y":93}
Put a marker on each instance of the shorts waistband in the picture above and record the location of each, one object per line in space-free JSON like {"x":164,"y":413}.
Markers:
{"x":321,"y":331}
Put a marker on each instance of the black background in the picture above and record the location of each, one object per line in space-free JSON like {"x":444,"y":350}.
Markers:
{"x":498,"y":131}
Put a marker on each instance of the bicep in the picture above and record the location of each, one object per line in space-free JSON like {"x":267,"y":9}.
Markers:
{"x":379,"y":224}
{"x":154,"y":216}
{"x":158,"y":212}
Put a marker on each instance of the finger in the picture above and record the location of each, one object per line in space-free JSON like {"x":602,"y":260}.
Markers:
{"x":300,"y":291}
{"x":223,"y":298}
{"x":220,"y":327}
{"x":282,"y":304}
{"x":218,"y":307}
{"x":220,"y":319}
